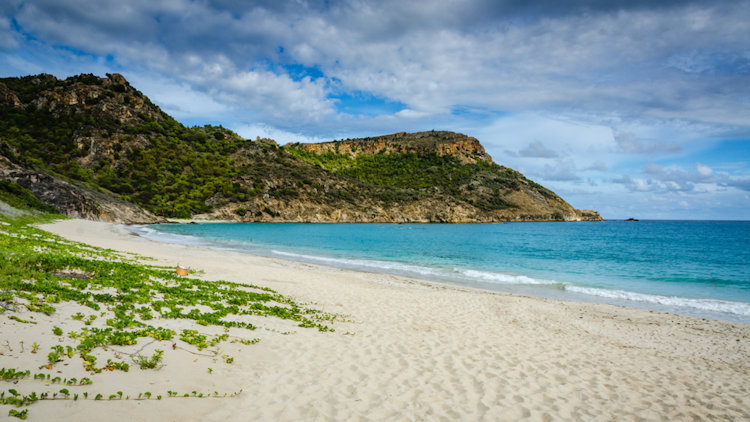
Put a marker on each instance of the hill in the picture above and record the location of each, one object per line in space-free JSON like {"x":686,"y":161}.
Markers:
{"x":98,"y":148}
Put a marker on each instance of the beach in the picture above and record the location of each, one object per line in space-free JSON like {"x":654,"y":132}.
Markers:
{"x":412,"y":350}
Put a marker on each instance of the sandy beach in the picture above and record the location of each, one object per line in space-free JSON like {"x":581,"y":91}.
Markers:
{"x":411,"y":350}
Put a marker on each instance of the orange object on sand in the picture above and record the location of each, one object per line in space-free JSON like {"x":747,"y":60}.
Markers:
{"x":182,"y":271}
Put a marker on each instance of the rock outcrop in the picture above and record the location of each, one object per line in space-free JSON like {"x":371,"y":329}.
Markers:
{"x":465,"y":148}
{"x":75,"y":200}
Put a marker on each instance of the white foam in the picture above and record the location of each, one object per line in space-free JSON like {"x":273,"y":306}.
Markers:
{"x":710,"y":305}
{"x":463,"y":275}
{"x":378,"y":266}
{"x":150,"y":233}
{"x":501,"y":278}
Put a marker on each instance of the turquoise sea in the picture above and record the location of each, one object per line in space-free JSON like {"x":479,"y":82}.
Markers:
{"x":699,"y":268}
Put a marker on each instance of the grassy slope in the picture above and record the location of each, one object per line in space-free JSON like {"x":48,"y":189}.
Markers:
{"x":21,"y":198}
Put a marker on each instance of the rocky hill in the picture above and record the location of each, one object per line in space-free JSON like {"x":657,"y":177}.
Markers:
{"x":466,"y":149}
{"x":98,"y":148}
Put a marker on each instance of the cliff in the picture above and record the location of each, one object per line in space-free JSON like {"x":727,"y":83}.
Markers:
{"x":466,"y":149}
{"x":98,"y":148}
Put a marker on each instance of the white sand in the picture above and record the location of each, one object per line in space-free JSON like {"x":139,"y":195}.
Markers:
{"x":413,"y":351}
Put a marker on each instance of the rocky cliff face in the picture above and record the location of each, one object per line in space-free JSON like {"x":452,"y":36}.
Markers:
{"x":85,"y":95}
{"x":74,"y":200}
{"x":465,"y":148}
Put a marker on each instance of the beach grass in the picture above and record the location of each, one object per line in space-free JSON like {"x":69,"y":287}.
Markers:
{"x":111,"y":300}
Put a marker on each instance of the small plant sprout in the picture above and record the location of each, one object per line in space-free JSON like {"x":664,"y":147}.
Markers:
{"x":57,"y":330}
{"x":154,"y":362}
{"x":34,"y":347}
{"x":210,"y":371}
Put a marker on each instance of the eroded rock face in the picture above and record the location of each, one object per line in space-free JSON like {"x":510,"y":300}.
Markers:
{"x":465,"y":148}
{"x":8,"y":98}
{"x":76,"y":201}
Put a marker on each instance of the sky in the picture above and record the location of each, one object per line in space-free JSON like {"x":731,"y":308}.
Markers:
{"x":633,"y":108}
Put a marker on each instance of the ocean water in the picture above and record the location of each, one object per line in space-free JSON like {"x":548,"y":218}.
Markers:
{"x":698,"y":268}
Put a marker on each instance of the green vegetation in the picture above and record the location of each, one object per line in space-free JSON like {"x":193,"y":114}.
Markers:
{"x":16,"y":318}
{"x":173,"y":176}
{"x":22,"y":198}
{"x":113,"y":139}
{"x":153,"y":362}
{"x":14,"y":398}
{"x":413,"y":176}
{"x":40,"y":270}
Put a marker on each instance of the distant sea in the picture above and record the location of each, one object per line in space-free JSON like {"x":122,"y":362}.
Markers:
{"x":698,"y":268}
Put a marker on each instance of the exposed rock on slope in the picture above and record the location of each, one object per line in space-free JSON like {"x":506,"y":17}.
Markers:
{"x":75,"y":200}
{"x":94,"y":146}
{"x":466,"y":149}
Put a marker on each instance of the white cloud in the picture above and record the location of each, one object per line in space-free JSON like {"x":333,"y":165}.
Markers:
{"x":703,"y":170}
{"x":252,"y":131}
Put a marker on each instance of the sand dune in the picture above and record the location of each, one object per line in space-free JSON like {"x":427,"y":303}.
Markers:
{"x":410,"y":350}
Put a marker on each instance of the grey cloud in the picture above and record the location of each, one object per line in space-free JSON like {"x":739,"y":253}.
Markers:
{"x":597,"y":166}
{"x":701,"y":173}
{"x":431,"y":56}
{"x":742,"y":183}
{"x":537,"y":150}
{"x":562,"y":170}
{"x":627,"y":142}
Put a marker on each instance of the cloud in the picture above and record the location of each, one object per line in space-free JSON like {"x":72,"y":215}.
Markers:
{"x":742,"y":183}
{"x":627,"y":142}
{"x":251,"y":131}
{"x":432,"y":57}
{"x":637,"y":184}
{"x":562,"y":170}
{"x":700,"y":179}
{"x":700,"y":174}
{"x":8,"y":37}
{"x":538,"y":150}
{"x":597,"y":166}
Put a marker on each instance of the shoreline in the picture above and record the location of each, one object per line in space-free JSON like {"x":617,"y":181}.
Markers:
{"x":547,"y":287}
{"x":407,"y":349}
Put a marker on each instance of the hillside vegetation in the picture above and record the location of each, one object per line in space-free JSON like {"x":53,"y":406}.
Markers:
{"x":105,"y":138}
